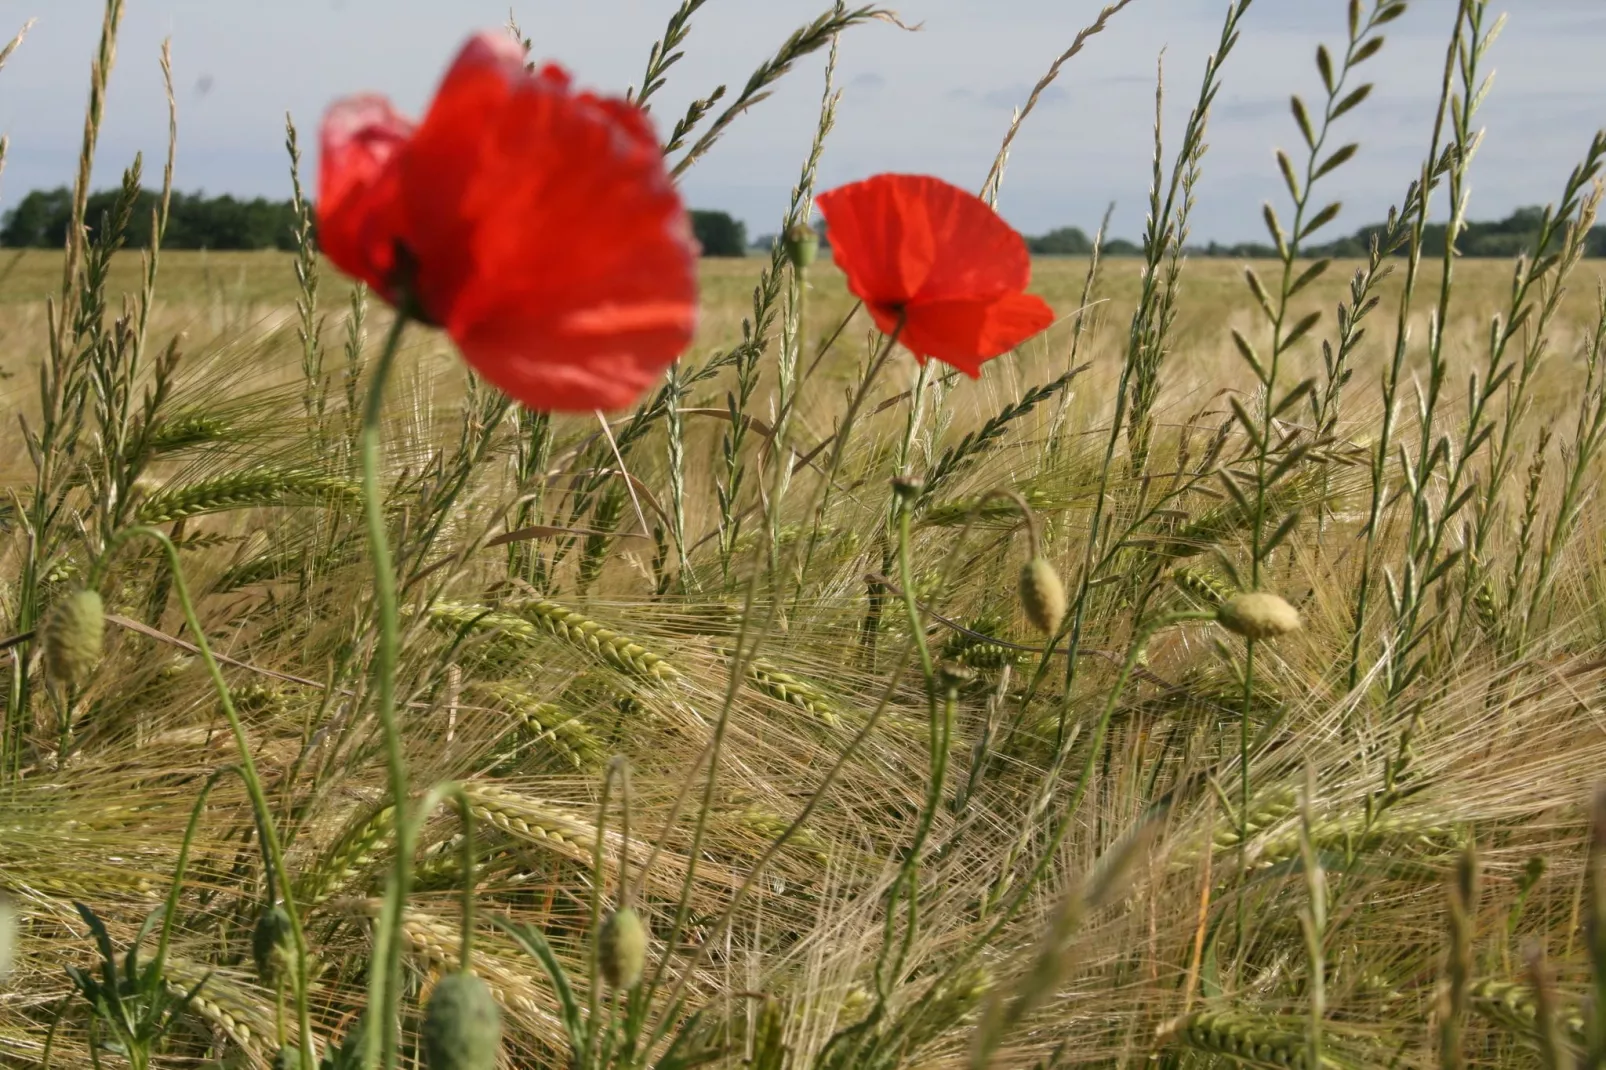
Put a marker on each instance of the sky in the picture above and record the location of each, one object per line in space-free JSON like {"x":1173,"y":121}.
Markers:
{"x":936,"y":99}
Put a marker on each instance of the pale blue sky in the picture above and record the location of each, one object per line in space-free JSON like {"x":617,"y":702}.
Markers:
{"x":934,"y":101}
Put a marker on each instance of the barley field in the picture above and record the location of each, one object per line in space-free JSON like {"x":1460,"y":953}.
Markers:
{"x":1217,"y":681}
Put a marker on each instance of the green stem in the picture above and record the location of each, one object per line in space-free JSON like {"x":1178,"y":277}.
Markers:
{"x":384,"y":975}
{"x":1062,"y":826}
{"x":594,"y":997}
{"x":941,"y":716}
{"x":248,"y":770}
{"x":170,"y":910}
{"x":432,"y":799}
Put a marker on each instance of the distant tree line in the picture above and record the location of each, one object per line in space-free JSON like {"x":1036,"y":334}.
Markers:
{"x":195,"y":221}
{"x":1499,"y":239}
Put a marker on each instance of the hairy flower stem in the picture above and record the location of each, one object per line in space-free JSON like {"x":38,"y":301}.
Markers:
{"x":941,"y":714}
{"x":271,"y":845}
{"x":384,"y":973}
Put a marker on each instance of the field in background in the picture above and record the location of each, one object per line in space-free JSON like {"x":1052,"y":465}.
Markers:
{"x":949,"y":730}
{"x":244,"y":302}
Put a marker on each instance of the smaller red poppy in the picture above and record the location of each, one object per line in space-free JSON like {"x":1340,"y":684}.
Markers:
{"x":536,"y":224}
{"x":937,"y":260}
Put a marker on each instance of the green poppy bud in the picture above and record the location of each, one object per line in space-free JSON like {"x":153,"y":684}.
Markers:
{"x":802,"y":245}
{"x":272,"y":944}
{"x":1258,"y":615}
{"x":462,"y":1025}
{"x":623,"y":948}
{"x":1042,"y":595}
{"x":74,"y":636}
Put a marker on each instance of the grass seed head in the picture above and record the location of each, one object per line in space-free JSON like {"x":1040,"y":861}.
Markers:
{"x":1042,"y":595}
{"x":1258,"y":615}
{"x":462,"y":1025}
{"x":623,"y":948}
{"x":74,"y":637}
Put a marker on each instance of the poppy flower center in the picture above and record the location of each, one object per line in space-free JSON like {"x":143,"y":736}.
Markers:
{"x":403,"y":285}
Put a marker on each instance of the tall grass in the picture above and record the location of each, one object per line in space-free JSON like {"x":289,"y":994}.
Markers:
{"x":751,"y":661}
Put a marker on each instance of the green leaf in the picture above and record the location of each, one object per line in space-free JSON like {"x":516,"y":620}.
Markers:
{"x":1275,"y":229}
{"x":1247,"y":351}
{"x":1259,"y":290}
{"x":1390,"y":13}
{"x":1370,"y":48}
{"x":1337,"y":159}
{"x":1246,"y":420}
{"x":1286,"y":166}
{"x":534,"y":943}
{"x":1292,"y":398}
{"x":1310,"y":275}
{"x":1351,"y":100}
{"x":1324,"y":64}
{"x":1301,"y":329}
{"x":1321,"y":219}
{"x":1282,"y":531}
{"x":1302,"y":120}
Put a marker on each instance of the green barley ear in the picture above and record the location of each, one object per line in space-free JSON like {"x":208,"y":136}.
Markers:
{"x":462,"y":1025}
{"x":1258,"y":615}
{"x":74,"y":638}
{"x":623,"y":949}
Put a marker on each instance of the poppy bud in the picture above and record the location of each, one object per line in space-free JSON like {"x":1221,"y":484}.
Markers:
{"x":1042,"y":595}
{"x":623,"y":948}
{"x":272,"y":944}
{"x":462,"y":1025}
{"x":74,"y":635}
{"x":802,"y":246}
{"x":289,"y":1058}
{"x":1258,"y":615}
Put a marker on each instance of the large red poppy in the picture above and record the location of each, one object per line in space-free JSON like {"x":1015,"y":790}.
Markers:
{"x":940,"y":261}
{"x":535,"y":224}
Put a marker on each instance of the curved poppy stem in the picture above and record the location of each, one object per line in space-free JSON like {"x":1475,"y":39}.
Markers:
{"x":384,"y":972}
{"x":272,"y":846}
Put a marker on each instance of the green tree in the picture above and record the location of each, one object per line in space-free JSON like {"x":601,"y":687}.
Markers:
{"x":1066,"y":241}
{"x":719,"y":233}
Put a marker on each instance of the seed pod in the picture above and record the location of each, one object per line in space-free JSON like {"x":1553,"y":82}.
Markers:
{"x":74,"y":635}
{"x":1258,"y":615}
{"x":623,"y":948}
{"x":462,"y":1025}
{"x":802,"y":245}
{"x":1042,"y":595}
{"x":272,"y":944}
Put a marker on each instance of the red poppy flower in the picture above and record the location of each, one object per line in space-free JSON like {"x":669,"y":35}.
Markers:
{"x":939,"y":258}
{"x":535,"y":224}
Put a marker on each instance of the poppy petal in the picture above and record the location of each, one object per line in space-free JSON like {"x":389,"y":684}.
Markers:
{"x":575,"y":237}
{"x":537,"y":225}
{"x":359,"y":208}
{"x":907,"y":238}
{"x":598,"y":358}
{"x":967,"y":334}
{"x":442,"y":173}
